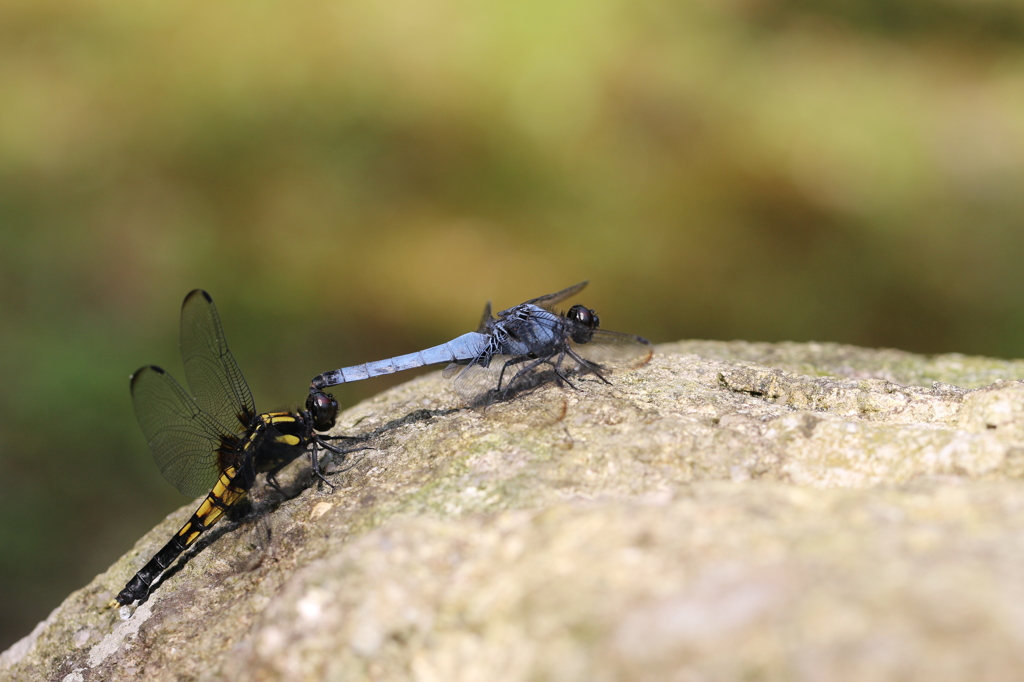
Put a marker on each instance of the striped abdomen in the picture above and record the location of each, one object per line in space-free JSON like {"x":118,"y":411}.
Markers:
{"x":226,"y":493}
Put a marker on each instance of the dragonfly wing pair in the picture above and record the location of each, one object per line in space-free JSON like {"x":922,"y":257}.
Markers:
{"x":212,"y":440}
{"x":185,"y":431}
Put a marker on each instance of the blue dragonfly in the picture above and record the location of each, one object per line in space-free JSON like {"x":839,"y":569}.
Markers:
{"x":514,"y":350}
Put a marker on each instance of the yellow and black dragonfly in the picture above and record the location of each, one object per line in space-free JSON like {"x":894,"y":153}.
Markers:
{"x":213,"y":440}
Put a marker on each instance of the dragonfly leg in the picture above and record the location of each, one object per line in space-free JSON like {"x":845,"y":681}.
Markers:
{"x":272,"y":479}
{"x":530,"y":367}
{"x":272,"y":482}
{"x":322,"y":440}
{"x":591,"y":367}
{"x":557,"y":366}
{"x":355,"y":439}
{"x":509,"y":363}
{"x":315,"y":463}
{"x":314,"y":458}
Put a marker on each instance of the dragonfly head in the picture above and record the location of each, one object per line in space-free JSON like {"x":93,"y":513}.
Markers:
{"x":324,"y":409}
{"x":585,"y":321}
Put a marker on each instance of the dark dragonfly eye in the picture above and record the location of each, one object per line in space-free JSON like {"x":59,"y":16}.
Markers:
{"x":324,"y":409}
{"x":585,"y":316}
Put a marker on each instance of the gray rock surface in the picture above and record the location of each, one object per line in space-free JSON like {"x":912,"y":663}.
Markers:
{"x":730,"y":511}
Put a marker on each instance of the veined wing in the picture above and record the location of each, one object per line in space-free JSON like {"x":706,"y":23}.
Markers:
{"x":500,"y":379}
{"x":212,"y":373}
{"x":549,"y":301}
{"x":478,"y":386}
{"x":183,"y":437}
{"x":474,"y":383}
{"x":615,"y":351}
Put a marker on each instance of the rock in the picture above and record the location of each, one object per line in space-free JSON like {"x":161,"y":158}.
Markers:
{"x":729,"y":511}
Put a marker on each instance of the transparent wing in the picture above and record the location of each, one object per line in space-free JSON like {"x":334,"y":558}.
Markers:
{"x":615,"y":351}
{"x":501,"y":379}
{"x":183,"y":437}
{"x":212,"y":373}
{"x":475,"y":383}
{"x":550,"y":300}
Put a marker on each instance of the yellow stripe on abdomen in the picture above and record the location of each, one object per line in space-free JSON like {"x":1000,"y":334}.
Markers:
{"x":223,"y":495}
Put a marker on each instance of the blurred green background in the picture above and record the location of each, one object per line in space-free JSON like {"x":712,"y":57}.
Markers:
{"x":353,"y":179}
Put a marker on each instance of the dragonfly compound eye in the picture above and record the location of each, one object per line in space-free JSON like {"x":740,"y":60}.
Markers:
{"x":585,"y":316}
{"x":324,"y":409}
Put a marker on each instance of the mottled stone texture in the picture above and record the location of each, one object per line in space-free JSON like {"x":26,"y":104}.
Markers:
{"x":730,"y":511}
